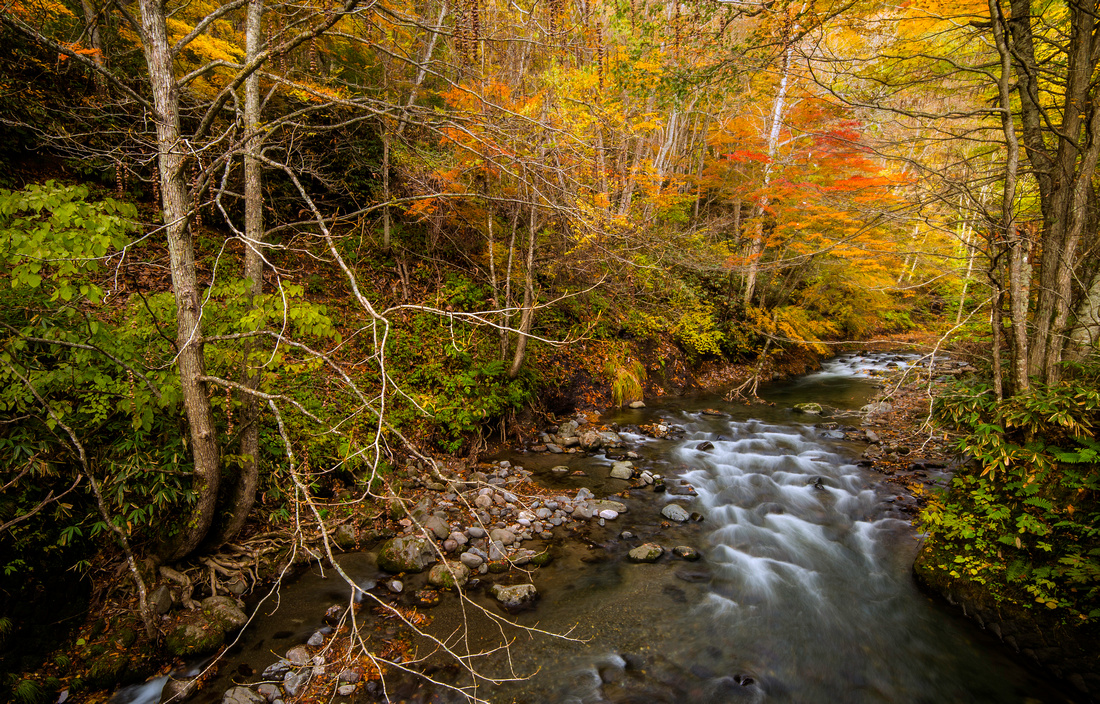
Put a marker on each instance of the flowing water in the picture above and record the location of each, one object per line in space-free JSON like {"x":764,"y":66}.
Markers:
{"x":804,"y":594}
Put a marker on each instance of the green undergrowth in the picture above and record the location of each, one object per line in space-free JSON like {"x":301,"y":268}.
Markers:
{"x":1023,"y":518}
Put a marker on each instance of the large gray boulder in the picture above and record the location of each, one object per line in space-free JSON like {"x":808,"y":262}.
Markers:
{"x":242,"y":695}
{"x":407,"y":553}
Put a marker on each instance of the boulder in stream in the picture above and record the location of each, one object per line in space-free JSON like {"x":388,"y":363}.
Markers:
{"x":408,"y":553}
{"x":449,"y":575}
{"x":810,"y":409}
{"x":675,"y":512}
{"x":515,"y":597}
{"x":650,"y":552}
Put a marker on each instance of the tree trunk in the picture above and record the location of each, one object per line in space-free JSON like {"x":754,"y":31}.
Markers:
{"x":1017,"y":283}
{"x":528,"y":300}
{"x":244,"y":491}
{"x":189,"y":337}
{"x":756,"y":246}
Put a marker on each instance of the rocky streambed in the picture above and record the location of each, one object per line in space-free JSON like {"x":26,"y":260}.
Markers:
{"x":694,"y":551}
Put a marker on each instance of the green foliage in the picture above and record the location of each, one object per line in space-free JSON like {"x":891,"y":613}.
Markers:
{"x":50,"y":234}
{"x":1024,"y":517}
{"x":28,"y":692}
{"x":627,"y":377}
{"x":697,"y":333}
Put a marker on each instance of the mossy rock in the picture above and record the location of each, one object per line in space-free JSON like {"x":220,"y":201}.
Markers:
{"x":107,"y":670}
{"x":125,"y":637}
{"x":408,"y":553}
{"x":195,"y":635}
{"x":498,"y":566}
{"x":542,"y":559}
{"x":449,"y":575}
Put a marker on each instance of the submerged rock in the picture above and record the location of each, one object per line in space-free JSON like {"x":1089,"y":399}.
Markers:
{"x":650,"y":552}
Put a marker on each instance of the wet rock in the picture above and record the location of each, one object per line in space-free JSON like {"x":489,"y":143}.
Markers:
{"x":610,"y":439}
{"x":316,"y":640}
{"x":243,"y":695}
{"x":686,"y":552}
{"x":345,"y":536}
{"x":333,"y":614}
{"x":269,"y":691}
{"x":810,"y":409}
{"x":553,"y":449}
{"x":195,"y":635}
{"x":395,"y":586}
{"x":107,"y":670}
{"x":295,"y":682}
{"x":590,"y":440}
{"x":649,"y":552}
{"x":696,"y":516}
{"x":568,"y":429}
{"x":410,"y":553}
{"x":705,"y":446}
{"x":299,"y":656}
{"x":276,"y":670}
{"x":637,"y":404}
{"x":449,"y":575}
{"x":713,"y":412}
{"x":515,"y":597}
{"x":345,"y":690}
{"x":609,"y":515}
{"x":622,"y":470}
{"x":871,"y":436}
{"x":607,"y":505}
{"x":560,"y":471}
{"x":675,"y":512}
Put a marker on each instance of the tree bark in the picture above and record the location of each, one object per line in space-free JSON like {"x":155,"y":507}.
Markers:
{"x":175,"y":203}
{"x":244,"y":490}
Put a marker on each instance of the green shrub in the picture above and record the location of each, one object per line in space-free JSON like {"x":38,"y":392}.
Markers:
{"x":1023,"y":518}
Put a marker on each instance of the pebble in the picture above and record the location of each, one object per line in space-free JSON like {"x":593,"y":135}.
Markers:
{"x":476,"y":532}
{"x":608,"y":514}
{"x":395,"y":586}
{"x":345,"y":690}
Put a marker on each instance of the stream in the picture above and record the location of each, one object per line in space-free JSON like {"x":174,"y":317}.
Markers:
{"x":804,"y":593}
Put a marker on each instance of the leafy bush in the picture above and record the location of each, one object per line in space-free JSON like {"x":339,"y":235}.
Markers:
{"x":1024,"y":517}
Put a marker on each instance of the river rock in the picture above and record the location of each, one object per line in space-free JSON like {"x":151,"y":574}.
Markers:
{"x":409,"y":553}
{"x":269,"y":691}
{"x":436,"y":526}
{"x":560,"y":471}
{"x":295,"y":682}
{"x":316,"y":640}
{"x":553,"y":449}
{"x":299,"y":656}
{"x":581,"y":512}
{"x":344,"y":536}
{"x":515,"y":597}
{"x":590,"y":439}
{"x":608,"y":514}
{"x":475,"y":532}
{"x":225,"y":610}
{"x":483,"y":501}
{"x":449,"y":575}
{"x":348,"y":676}
{"x":675,"y":512}
{"x":607,"y":505}
{"x":276,"y":670}
{"x":622,"y":470}
{"x":345,"y":690}
{"x":811,"y":409}
{"x":686,"y":552}
{"x":876,"y":408}
{"x":568,"y":429}
{"x":705,"y":446}
{"x":471,"y":560}
{"x":502,"y":536}
{"x":242,"y":695}
{"x":610,"y":439}
{"x":637,"y":404}
{"x":649,"y":552}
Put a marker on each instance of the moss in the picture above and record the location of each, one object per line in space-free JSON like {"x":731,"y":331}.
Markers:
{"x":108,"y":670}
